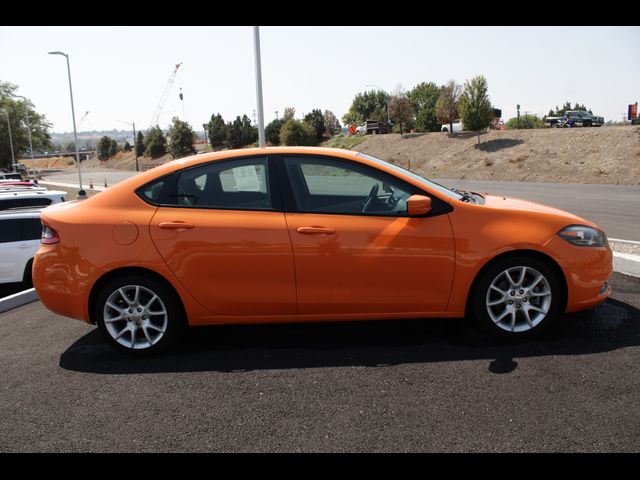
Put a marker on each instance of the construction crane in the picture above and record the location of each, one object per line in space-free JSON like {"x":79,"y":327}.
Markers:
{"x":163,"y":98}
{"x":84,"y":117}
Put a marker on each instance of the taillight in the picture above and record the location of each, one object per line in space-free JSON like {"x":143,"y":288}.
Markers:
{"x":49,"y":235}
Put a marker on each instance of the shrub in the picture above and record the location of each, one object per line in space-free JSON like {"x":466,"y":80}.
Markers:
{"x":294,"y":132}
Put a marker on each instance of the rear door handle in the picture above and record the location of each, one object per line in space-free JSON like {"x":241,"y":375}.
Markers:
{"x":176,"y":225}
{"x":316,"y":230}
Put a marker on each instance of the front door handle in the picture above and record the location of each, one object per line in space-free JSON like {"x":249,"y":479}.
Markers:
{"x":316,"y":230}
{"x":176,"y":225}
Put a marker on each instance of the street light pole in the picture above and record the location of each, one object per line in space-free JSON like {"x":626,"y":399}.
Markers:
{"x":388,"y":98}
{"x":26,"y":107}
{"x":256,"y":48}
{"x":13,"y":158}
{"x":135,"y":146}
{"x":81,"y":192}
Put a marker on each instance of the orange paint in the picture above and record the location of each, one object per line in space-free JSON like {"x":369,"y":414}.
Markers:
{"x":248,"y":266}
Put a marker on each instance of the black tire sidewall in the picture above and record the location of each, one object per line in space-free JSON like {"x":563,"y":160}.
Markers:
{"x":175,"y":321}
{"x":478,"y":309}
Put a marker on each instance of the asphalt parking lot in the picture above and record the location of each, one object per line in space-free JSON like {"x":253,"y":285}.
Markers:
{"x":433,"y":385}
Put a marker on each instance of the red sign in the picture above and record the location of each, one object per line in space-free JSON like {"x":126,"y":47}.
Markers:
{"x":633,"y":111}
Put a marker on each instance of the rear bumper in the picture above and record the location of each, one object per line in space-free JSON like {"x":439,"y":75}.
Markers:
{"x":63,"y":286}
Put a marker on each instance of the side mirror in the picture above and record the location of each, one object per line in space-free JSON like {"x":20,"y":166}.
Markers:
{"x":418,"y":205}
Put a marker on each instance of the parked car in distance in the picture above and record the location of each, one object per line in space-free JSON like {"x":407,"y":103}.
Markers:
{"x":371,"y":127}
{"x":457,"y":126}
{"x":27,"y":196}
{"x":577,"y":118}
{"x":20,"y":235}
{"x":302,"y":234}
{"x":10,"y":176}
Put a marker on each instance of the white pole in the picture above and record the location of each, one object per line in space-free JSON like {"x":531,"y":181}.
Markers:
{"x":81,"y":192}
{"x":256,"y":46}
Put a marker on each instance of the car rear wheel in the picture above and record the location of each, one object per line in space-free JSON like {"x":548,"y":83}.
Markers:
{"x":138,"y":314}
{"x":517,"y":297}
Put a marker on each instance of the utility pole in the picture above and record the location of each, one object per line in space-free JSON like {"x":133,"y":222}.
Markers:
{"x":256,"y":47}
{"x":276,"y":114}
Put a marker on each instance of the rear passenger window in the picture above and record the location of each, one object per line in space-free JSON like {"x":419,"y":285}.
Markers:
{"x":9,"y":231}
{"x":152,"y":191}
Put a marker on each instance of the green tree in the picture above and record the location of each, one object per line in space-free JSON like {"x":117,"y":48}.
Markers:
{"x":294,"y":132}
{"x":249,"y":133}
{"x":289,"y":113}
{"x":17,"y":110}
{"x":233,"y":137}
{"x":69,"y":146}
{"x":316,"y":120}
{"x":140,"y":147}
{"x":155,"y":143}
{"x":113,"y":148}
{"x":476,"y":111}
{"x":180,"y":139}
{"x":126,"y":147}
{"x":526,"y":122}
{"x":401,"y":108}
{"x":424,"y":97}
{"x":447,"y":103}
{"x":272,"y":131}
{"x":331,"y":122}
{"x":370,"y":105}
{"x":217,"y":131}
{"x":559,"y":112}
{"x":103,"y":147}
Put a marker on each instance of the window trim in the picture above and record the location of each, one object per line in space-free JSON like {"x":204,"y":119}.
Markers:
{"x":440,"y":207}
{"x":171,"y":183}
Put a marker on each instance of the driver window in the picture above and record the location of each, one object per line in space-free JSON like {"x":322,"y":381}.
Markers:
{"x":323,"y":185}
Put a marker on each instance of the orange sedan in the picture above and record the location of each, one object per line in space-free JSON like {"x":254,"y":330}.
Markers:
{"x":309,"y":234}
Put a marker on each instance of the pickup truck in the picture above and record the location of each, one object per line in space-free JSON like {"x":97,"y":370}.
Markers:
{"x":373,"y":127}
{"x":578,"y":118}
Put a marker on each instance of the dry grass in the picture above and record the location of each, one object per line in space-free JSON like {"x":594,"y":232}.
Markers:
{"x":576,"y":155}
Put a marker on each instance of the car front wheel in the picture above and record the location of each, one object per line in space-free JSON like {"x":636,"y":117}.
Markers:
{"x":139,"y":315}
{"x":517,"y":297}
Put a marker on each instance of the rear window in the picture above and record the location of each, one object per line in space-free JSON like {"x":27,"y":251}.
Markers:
{"x":6,"y":203}
{"x":31,"y":229}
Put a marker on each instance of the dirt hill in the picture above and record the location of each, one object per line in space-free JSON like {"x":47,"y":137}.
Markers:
{"x":567,"y":155}
{"x":572,"y":155}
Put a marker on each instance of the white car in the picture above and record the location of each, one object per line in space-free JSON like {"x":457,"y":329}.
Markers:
{"x":20,"y":233}
{"x":457,"y":126}
{"x":29,"y":197}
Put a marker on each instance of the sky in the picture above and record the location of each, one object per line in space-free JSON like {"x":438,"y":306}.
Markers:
{"x":119,"y":73}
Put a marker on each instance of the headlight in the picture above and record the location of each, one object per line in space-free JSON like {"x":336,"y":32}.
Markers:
{"x":583,"y":236}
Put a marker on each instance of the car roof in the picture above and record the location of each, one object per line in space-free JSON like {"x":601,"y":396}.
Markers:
{"x":31,"y":193}
{"x":21,"y":212}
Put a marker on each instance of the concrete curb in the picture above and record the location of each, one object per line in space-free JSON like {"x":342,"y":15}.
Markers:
{"x":626,"y":263}
{"x":18,"y":299}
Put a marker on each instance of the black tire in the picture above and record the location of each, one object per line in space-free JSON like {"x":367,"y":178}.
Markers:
{"x":479,"y":298}
{"x":27,"y":280}
{"x":445,"y":130}
{"x":586,"y":124}
{"x":554,"y":125}
{"x":172,"y":323}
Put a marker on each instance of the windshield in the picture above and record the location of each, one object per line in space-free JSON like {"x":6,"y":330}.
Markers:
{"x":428,"y":183}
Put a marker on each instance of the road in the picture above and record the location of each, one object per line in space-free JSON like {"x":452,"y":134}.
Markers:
{"x":402,"y":386}
{"x":616,"y":208}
